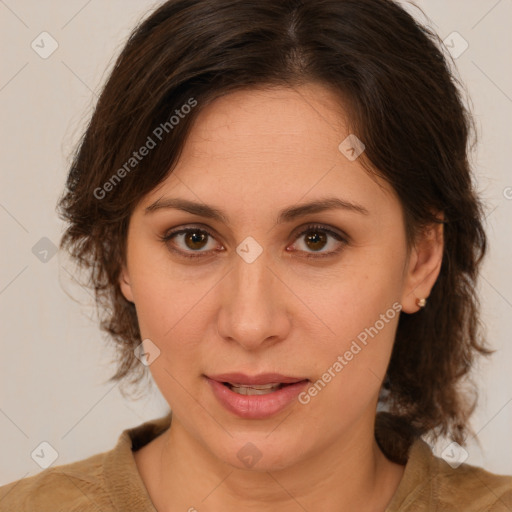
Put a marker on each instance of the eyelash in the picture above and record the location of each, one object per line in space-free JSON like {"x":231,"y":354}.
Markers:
{"x":200,"y":254}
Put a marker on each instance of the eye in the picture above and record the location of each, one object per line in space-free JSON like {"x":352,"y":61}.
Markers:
{"x":186,"y":241}
{"x":315,"y":238}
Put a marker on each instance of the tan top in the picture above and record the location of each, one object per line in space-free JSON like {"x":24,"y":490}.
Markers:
{"x":110,"y":482}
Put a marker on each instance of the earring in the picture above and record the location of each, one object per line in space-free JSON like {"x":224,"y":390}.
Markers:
{"x":421,"y":302}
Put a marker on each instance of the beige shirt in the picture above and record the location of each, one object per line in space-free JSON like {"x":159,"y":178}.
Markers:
{"x":110,"y":482}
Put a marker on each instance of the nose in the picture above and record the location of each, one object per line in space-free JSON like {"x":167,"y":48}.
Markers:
{"x":253,"y":310}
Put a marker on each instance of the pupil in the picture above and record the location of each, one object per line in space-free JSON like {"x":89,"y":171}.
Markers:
{"x":196,"y":238}
{"x":315,"y":239}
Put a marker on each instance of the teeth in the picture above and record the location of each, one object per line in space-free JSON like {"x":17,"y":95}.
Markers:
{"x":255,"y":389}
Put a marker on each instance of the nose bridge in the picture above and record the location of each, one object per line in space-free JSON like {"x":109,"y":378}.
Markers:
{"x":251,"y":310}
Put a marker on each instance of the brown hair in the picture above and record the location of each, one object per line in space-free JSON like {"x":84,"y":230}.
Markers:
{"x":404,"y":104}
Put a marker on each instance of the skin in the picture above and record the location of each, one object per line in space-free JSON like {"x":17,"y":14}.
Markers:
{"x":251,"y":154}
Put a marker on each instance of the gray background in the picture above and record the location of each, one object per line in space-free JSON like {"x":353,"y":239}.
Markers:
{"x":54,"y":360}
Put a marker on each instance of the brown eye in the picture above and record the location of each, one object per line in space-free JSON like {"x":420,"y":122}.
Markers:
{"x":311,"y":242}
{"x":195,"y":239}
{"x":190,"y":242}
{"x":316,"y":240}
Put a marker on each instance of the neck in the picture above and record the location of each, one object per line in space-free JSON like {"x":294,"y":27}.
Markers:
{"x":351,"y":474}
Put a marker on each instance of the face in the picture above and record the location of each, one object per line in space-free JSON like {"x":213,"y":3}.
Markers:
{"x":231,"y":274}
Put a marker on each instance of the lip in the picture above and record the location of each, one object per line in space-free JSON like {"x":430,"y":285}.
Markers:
{"x":256,"y":406}
{"x":262,"y":378}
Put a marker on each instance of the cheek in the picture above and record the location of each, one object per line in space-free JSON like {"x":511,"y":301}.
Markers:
{"x":363,"y":336}
{"x":175,"y":323}
{"x":350,"y":297}
{"x":359,"y":310}
{"x":166,"y":294}
{"x":174,"y":319}
{"x":173,"y":312}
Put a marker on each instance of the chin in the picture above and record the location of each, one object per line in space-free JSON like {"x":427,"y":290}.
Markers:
{"x":259,"y":453}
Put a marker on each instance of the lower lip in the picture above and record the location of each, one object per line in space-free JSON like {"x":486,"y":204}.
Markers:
{"x":256,"y":406}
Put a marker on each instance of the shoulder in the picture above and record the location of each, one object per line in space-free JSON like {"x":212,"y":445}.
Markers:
{"x":78,"y":486}
{"x":443,"y":483}
{"x":107,"y":481}
{"x":447,"y":485}
{"x":471,"y":487}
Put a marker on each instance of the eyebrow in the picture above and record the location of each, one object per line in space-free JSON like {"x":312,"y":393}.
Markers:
{"x":286,"y":215}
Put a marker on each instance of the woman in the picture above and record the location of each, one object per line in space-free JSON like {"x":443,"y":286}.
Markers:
{"x":274,"y":203}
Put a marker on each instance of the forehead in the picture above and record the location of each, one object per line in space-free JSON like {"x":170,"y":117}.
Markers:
{"x":271,"y":146}
{"x":271,"y":119}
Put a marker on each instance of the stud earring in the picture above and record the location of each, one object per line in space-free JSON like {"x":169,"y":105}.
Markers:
{"x":421,"y":302}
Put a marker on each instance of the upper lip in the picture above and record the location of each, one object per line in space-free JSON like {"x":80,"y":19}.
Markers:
{"x":262,"y":378}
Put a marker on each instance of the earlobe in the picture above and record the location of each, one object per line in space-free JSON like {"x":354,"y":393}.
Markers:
{"x":423,"y":268}
{"x":125,"y":285}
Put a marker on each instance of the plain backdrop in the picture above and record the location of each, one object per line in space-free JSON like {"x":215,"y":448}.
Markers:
{"x":55,"y":362}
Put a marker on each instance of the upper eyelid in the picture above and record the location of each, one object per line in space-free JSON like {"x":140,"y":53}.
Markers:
{"x":299,"y":231}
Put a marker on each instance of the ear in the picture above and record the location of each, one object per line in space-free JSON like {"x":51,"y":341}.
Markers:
{"x":423,"y":266}
{"x":125,"y":285}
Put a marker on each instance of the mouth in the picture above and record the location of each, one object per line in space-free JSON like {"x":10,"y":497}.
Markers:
{"x":256,"y":397}
{"x":264,"y":382}
{"x":263,"y":389}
